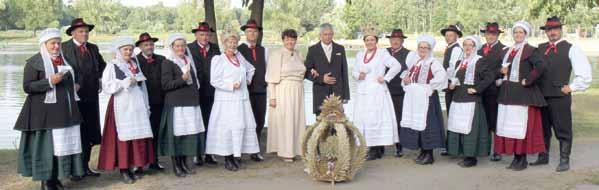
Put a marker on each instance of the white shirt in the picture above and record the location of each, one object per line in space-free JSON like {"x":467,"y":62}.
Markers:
{"x":456,"y":54}
{"x":328,"y":50}
{"x":581,"y":67}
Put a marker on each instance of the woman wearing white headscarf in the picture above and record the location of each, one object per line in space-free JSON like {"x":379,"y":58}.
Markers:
{"x":50,"y":147}
{"x":127,"y":138}
{"x":519,"y":127}
{"x":374,"y":115}
{"x":231,"y":128}
{"x":422,"y":118}
{"x":468,"y":132}
{"x":182,"y":120}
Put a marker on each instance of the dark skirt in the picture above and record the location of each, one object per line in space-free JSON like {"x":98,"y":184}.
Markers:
{"x":533,"y":142}
{"x":115,"y":153}
{"x":477,"y":142}
{"x":432,"y":137}
{"x":36,"y":158}
{"x":171,"y":145}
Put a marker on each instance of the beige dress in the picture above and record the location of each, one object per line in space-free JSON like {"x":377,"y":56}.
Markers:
{"x":286,"y":121}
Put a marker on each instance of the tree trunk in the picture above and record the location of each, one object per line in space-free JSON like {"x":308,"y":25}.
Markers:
{"x":211,"y":19}
{"x":257,"y":9}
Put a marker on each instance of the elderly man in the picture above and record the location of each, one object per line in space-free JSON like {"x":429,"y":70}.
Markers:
{"x":326,"y":67}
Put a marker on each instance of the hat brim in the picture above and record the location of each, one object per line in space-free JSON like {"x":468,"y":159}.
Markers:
{"x":402,"y":36}
{"x":452,"y":30}
{"x":198,"y":30}
{"x":246,"y":27}
{"x":71,"y":28}
{"x":550,"y":27}
{"x":140,"y":41}
{"x":494,"y":32}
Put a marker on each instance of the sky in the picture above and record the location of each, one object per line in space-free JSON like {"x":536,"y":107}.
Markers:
{"x":172,"y":3}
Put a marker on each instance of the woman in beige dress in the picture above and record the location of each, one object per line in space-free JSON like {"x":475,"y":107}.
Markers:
{"x":286,"y":119}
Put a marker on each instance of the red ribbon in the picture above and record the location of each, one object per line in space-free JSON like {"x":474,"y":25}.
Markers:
{"x":203,"y":51}
{"x":487,"y":49}
{"x":551,"y":46}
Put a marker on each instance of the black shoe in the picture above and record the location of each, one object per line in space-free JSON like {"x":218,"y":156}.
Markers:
{"x":186,"y":169}
{"x":381,"y":152}
{"x":58,"y":184}
{"x":257,"y":157}
{"x":522,"y":164}
{"x":156,"y":166}
{"x":237,"y":162}
{"x":127,"y":177}
{"x":514,"y":162}
{"x":209,"y":159}
{"x":138,"y":174}
{"x":372,"y":154}
{"x":468,"y":162}
{"x":564,"y":165}
{"x":398,"y":150}
{"x":77,"y":178}
{"x":420,"y":157}
{"x":229,"y":164}
{"x":198,"y":161}
{"x":48,"y":185}
{"x":495,"y":157}
{"x":564,"y":160}
{"x":177,"y":167}
{"x":428,"y":158}
{"x":542,"y":159}
{"x":92,"y":173}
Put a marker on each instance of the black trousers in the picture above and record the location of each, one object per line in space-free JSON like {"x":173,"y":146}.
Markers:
{"x":490,"y":105}
{"x":155,"y":117}
{"x":206,"y":103}
{"x":398,"y":107}
{"x":258,"y":102}
{"x":557,"y":116}
{"x":90,"y":128}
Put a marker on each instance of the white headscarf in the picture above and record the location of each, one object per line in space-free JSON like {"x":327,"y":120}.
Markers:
{"x":471,"y":60}
{"x":119,"y":60}
{"x":514,"y":72}
{"x":46,"y":35}
{"x":171,"y":55}
{"x":477,"y":42}
{"x":427,"y":39}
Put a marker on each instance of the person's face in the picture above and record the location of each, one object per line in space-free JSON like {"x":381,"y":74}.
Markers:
{"x":491,"y":37}
{"x":231,"y":44}
{"x":179,"y":47}
{"x":251,"y":34}
{"x":289,"y":42}
{"x":469,"y":47}
{"x":451,"y":37}
{"x":147,"y":47}
{"x":396,"y":42}
{"x":53,"y":46}
{"x":554,"y":34}
{"x":127,"y":52}
{"x":326,"y":36}
{"x":519,"y":35}
{"x":424,"y":49}
{"x":203,"y":37}
{"x":370,"y":42}
{"x":81,"y":34}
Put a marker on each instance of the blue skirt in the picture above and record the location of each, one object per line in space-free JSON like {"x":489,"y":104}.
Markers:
{"x":433,"y":136}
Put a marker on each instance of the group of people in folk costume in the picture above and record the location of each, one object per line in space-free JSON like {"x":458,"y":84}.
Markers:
{"x":202,"y":101}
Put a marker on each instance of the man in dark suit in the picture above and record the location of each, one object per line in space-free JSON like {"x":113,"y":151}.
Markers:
{"x":202,"y":51}
{"x":492,"y":52}
{"x":400,"y":53}
{"x":88,"y":64}
{"x":326,"y":67}
{"x":256,"y":54}
{"x":150,"y":64}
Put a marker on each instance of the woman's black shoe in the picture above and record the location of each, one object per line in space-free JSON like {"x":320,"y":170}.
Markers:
{"x":126,"y":176}
{"x":184,"y":166}
{"x":177,"y":167}
{"x":230,"y":164}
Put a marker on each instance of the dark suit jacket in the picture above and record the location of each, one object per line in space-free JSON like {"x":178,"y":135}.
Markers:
{"x":203,"y":66}
{"x":88,"y":70}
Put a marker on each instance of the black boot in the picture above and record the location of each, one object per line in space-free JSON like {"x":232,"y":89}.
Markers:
{"x":58,"y":184}
{"x":229,"y":164}
{"x":198,"y":161}
{"x":48,"y":185}
{"x":209,"y":159}
{"x":186,"y":169}
{"x":495,"y":157}
{"x":420,"y":156}
{"x":237,"y":162}
{"x":398,"y":150}
{"x":522,"y":163}
{"x":156,"y":166}
{"x":564,"y":153}
{"x":514,"y":161}
{"x":126,"y":176}
{"x":542,"y":159}
{"x":372,"y":153}
{"x":428,"y":158}
{"x":91,"y":172}
{"x":177,"y":167}
{"x":468,"y":162}
{"x":138,"y":173}
{"x":257,"y":157}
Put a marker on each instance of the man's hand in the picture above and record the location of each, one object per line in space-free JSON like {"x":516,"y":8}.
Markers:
{"x":566,"y":89}
{"x":329,"y":79}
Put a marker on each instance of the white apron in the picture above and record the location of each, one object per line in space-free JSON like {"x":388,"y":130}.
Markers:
{"x":187,"y":120}
{"x":66,"y":141}
{"x":512,"y":121}
{"x":415,"y":107}
{"x":461,"y":115}
{"x":131,"y":115}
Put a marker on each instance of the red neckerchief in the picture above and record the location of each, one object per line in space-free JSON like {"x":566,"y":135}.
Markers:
{"x":464,"y":65}
{"x":83,"y":49}
{"x":551,"y":46}
{"x":366,"y":59}
{"x":57,"y":61}
{"x":513,"y":53}
{"x":204,"y":51}
{"x":150,"y":59}
{"x":132,"y":67}
{"x":487,"y":49}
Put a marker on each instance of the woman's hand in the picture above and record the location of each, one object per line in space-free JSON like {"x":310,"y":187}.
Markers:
{"x":471,"y":91}
{"x":56,"y":78}
{"x":185,"y":76}
{"x":504,"y":70}
{"x":452,"y":87}
{"x":273,"y":103}
{"x":381,"y":80}
{"x":362,"y":76}
{"x":407,"y":80}
{"x":236,"y":85}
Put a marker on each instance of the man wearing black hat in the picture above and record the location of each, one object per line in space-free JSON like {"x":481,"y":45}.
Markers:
{"x":149,"y":62}
{"x":256,"y":54}
{"x":492,"y":52}
{"x":202,"y":51}
{"x":563,"y":58}
{"x":452,"y":54}
{"x":88,"y":64}
{"x":396,"y":39}
{"x":326,"y":67}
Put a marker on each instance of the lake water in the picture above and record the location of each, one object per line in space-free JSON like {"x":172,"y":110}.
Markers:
{"x":12,"y":96}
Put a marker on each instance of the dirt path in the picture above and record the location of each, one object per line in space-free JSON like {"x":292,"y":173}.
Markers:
{"x":388,"y":173}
